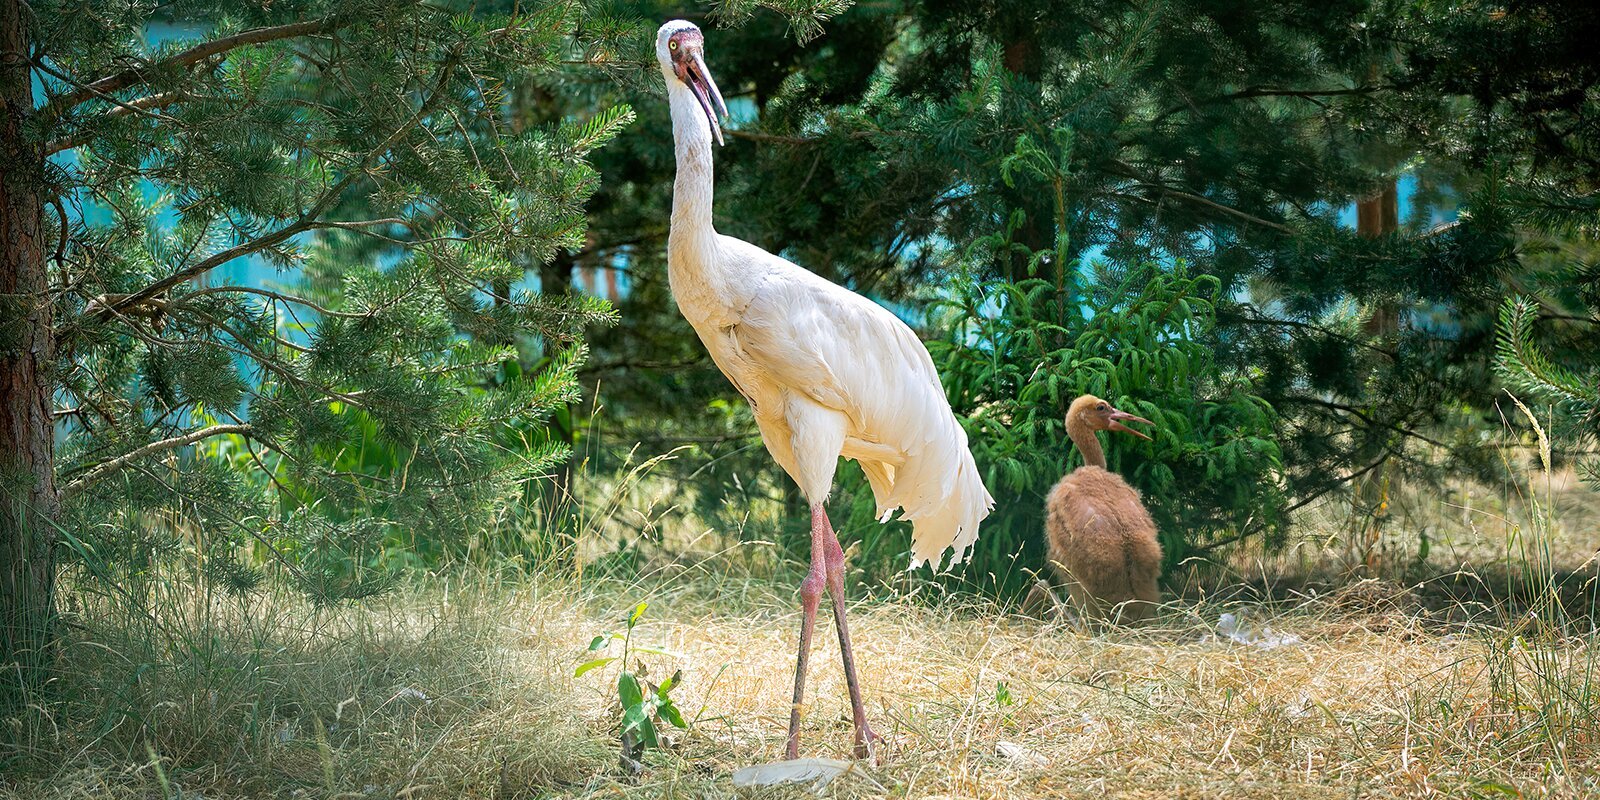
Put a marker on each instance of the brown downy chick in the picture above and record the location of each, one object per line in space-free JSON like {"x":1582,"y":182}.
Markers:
{"x":1100,"y":538}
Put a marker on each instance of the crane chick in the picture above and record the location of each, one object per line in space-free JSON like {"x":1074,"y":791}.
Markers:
{"x":1101,"y":540}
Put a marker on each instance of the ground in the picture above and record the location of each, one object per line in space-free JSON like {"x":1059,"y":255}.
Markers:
{"x":1355,"y":669}
{"x":466,"y":689}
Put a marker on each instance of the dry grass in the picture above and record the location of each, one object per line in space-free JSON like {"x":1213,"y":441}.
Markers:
{"x":271,"y":700}
{"x":1475,"y":676}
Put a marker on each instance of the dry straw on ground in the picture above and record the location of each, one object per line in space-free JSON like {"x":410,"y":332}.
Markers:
{"x":467,"y":691}
{"x":1475,"y":675}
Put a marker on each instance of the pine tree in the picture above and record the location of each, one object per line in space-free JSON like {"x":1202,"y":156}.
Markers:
{"x":149,"y":404}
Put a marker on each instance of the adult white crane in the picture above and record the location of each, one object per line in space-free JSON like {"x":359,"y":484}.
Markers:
{"x":826,"y":372}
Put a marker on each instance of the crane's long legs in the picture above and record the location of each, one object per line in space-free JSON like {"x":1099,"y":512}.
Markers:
{"x":866,"y":739}
{"x":827,"y":571}
{"x":810,"y":597}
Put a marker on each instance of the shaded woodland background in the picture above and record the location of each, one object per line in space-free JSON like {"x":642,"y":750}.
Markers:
{"x":1315,"y":242}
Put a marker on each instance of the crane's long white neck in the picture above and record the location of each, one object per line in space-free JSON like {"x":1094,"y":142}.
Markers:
{"x":1088,"y":444}
{"x":691,"y":189}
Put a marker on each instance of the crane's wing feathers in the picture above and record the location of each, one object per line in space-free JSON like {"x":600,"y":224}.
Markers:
{"x":847,"y":353}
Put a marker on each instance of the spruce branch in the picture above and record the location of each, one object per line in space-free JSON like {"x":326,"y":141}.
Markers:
{"x":1145,"y":181}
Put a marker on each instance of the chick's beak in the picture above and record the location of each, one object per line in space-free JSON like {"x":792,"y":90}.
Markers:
{"x":1118,"y":417}
{"x":704,"y":89}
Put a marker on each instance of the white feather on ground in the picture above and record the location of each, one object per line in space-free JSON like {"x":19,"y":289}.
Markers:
{"x":817,"y":771}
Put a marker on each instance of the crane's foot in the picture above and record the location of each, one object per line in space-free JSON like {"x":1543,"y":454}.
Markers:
{"x":869,"y":745}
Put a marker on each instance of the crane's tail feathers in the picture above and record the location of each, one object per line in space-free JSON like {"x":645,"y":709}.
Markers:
{"x":944,"y":498}
{"x":880,"y":477}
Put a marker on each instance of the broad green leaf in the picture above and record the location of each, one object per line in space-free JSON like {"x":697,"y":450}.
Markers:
{"x":590,"y":665}
{"x":636,"y":722}
{"x":669,"y":712}
{"x":668,"y":684}
{"x":628,"y":690}
{"x":647,"y":730}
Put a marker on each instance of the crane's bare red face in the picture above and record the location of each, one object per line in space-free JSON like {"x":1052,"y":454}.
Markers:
{"x":687,"y":50}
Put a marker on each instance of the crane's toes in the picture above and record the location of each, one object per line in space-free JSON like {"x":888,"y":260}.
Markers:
{"x":869,"y":745}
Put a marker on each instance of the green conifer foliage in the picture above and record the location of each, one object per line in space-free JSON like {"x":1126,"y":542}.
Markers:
{"x":1015,"y":354}
{"x":1225,"y":136}
{"x":374,"y":396}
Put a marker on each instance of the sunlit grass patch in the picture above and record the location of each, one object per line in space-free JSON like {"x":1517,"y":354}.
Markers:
{"x":1475,"y":681}
{"x":465,"y":688}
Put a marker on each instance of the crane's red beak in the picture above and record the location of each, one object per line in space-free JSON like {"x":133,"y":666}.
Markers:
{"x":1118,"y":417}
{"x":704,"y":89}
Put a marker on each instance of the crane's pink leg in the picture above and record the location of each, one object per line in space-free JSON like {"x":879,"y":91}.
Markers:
{"x":810,"y":597}
{"x":866,"y":739}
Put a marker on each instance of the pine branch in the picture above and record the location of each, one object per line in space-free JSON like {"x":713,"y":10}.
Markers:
{"x":1525,"y":365}
{"x":599,"y":129}
{"x":114,"y":465}
{"x":1302,"y":503}
{"x":777,"y":138}
{"x":1245,"y":319}
{"x":278,"y":296}
{"x":771,"y":138}
{"x":1368,"y":419}
{"x":306,"y":222}
{"x":83,"y":137}
{"x":248,"y":350}
{"x":133,"y":76}
{"x":283,"y":559}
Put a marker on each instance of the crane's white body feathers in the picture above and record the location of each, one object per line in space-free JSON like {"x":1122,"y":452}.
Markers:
{"x":827,"y":372}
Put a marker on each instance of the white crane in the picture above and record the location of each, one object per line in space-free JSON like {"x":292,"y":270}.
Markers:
{"x":826,"y":372}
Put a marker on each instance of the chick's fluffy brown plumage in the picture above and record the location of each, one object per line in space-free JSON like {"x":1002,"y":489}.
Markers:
{"x":1101,"y":540}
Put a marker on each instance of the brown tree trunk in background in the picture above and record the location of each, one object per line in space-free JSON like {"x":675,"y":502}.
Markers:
{"x":27,"y":349}
{"x":532,"y":105}
{"x":556,"y":278}
{"x":1021,"y":58}
{"x":1378,"y":216}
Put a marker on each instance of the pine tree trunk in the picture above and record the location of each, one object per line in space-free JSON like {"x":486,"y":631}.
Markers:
{"x":27,"y":348}
{"x":1379,"y":214}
